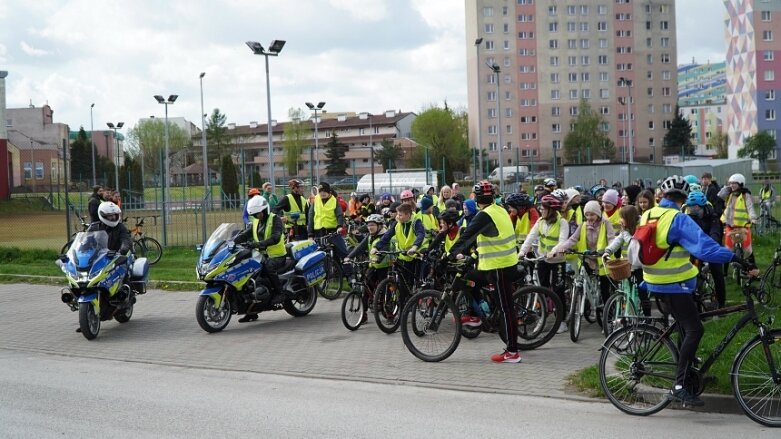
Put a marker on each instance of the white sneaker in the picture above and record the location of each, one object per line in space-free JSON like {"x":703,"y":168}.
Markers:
{"x":562,"y":328}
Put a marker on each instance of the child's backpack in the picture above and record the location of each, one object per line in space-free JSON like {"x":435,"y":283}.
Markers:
{"x":645,"y":235}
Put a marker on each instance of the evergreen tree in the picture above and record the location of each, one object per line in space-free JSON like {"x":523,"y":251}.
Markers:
{"x":678,"y":138}
{"x":230,"y":183}
{"x":81,"y":158}
{"x":758,"y":147}
{"x":335,"y":152}
{"x":390,"y":153}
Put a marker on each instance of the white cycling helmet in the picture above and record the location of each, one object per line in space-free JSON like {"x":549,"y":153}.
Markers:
{"x":561,"y":194}
{"x":257,"y":205}
{"x":109,"y":213}
{"x":737,"y":178}
{"x":675,"y":184}
{"x":376,"y":218}
{"x":550,"y":182}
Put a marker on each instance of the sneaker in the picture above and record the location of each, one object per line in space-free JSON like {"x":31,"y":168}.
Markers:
{"x":686,"y":398}
{"x":507,"y":357}
{"x":562,"y":328}
{"x":471,"y":321}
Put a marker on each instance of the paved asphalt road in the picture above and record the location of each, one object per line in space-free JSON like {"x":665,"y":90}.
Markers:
{"x":48,"y":396}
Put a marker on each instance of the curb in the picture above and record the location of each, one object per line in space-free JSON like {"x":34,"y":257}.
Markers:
{"x":56,"y":280}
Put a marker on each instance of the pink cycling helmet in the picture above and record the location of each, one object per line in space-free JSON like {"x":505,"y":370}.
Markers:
{"x":406,"y":194}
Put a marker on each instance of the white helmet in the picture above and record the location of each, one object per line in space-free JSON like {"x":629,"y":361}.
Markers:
{"x":109,"y":213}
{"x":737,"y":178}
{"x":561,"y":194}
{"x":549,"y":182}
{"x":257,"y":205}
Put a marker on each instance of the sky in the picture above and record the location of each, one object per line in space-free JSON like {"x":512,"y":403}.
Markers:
{"x":356,"y":55}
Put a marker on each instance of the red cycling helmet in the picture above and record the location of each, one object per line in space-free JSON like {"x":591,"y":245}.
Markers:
{"x":483,"y":188}
{"x":551,"y":202}
{"x":253,"y":191}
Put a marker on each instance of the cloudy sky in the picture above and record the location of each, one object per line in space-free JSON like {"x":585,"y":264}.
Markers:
{"x":357,"y":55}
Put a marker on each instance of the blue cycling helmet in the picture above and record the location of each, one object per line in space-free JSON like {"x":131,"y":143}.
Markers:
{"x":597,"y":188}
{"x":695,"y":187}
{"x":691,"y":179}
{"x":696,"y":199}
{"x":579,"y":188}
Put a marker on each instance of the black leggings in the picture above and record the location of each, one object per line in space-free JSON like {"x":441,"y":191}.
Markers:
{"x":502,"y":279}
{"x":552,"y":276}
{"x":684,"y":310}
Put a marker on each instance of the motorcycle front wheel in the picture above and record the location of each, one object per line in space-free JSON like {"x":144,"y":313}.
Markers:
{"x":89,"y":320}
{"x":211,"y":318}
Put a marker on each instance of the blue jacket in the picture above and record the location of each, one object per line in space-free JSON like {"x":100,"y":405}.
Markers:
{"x":687,"y":234}
{"x":245,"y":215}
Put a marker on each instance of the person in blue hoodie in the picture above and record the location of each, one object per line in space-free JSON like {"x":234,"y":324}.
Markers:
{"x":673,"y":278}
{"x":470,"y":210}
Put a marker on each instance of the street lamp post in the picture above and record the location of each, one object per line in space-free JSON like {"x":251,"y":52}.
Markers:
{"x":116,"y":148}
{"x":206,"y":182}
{"x":92,"y":141}
{"x":500,"y":147}
{"x":166,"y":196}
{"x":371,"y":152}
{"x":478,"y":42}
{"x":628,"y":84}
{"x":273,"y":50}
{"x":314,"y":108}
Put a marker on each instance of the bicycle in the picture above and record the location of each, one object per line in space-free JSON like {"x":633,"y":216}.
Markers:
{"x":144,"y":246}
{"x":638,"y":364}
{"x":334,"y":281}
{"x":431,"y":320}
{"x":84,"y":226}
{"x":738,"y":236}
{"x":586,"y":296}
{"x":360,"y":300}
{"x":767,"y":222}
{"x":622,"y":306}
{"x":387,"y":297}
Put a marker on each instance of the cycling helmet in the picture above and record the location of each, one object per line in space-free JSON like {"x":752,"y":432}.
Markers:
{"x":691,"y":179}
{"x":449,"y":216}
{"x":362,"y":197}
{"x":539,"y":188}
{"x":376,"y":218}
{"x":675,"y":184}
{"x":561,"y":194}
{"x":579,"y":188}
{"x":109,"y":213}
{"x":597,"y":188}
{"x":452,"y":204}
{"x":294,"y":183}
{"x":737,"y":178}
{"x":406,"y":194}
{"x":519,"y":201}
{"x":551,"y":202}
{"x":483,"y":188}
{"x":386,"y":196}
{"x":253,"y":191}
{"x":550,"y":182}
{"x":695,"y":187}
{"x":696,"y":199}
{"x":256,"y":205}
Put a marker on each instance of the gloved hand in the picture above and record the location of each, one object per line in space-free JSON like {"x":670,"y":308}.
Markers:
{"x":412,"y":250}
{"x":373,"y":251}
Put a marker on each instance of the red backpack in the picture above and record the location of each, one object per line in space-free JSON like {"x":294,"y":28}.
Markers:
{"x":645,"y":235}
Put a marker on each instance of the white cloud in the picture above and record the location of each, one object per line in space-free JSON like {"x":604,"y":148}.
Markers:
{"x":369,"y":10}
{"x":30,"y":50}
{"x":446,"y":15}
{"x":3,"y":52}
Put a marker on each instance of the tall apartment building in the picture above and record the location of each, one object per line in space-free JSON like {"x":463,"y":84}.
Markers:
{"x":551,"y":54}
{"x":753,"y":34}
{"x":702,"y":100}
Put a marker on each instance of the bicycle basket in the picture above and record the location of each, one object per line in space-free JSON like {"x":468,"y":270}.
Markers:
{"x":738,"y":235}
{"x":618,"y":269}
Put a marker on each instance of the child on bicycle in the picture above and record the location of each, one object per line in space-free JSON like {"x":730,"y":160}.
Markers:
{"x":409,"y":234}
{"x":629,"y":217}
{"x":378,"y":267}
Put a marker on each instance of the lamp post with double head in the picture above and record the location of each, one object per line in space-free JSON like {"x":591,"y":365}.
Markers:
{"x":92,"y":142}
{"x":116,"y":149}
{"x":495,"y":68}
{"x":478,"y":42}
{"x":628,"y":83}
{"x":166,"y":195}
{"x":206,"y":191}
{"x":273,"y":50}
{"x":317,"y":108}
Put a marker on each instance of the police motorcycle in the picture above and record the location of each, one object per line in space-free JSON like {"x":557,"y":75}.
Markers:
{"x":230,"y":273}
{"x":101,"y":284}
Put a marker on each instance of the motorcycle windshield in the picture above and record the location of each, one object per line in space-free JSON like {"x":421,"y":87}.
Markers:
{"x":218,"y":240}
{"x":87,"y":247}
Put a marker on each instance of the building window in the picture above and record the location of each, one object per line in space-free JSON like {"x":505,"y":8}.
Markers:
{"x":506,"y":45}
{"x":572,"y":44}
{"x":553,"y":27}
{"x":492,"y":146}
{"x":665,"y":41}
{"x":552,"y":10}
{"x":527,"y":52}
{"x":554,"y":60}
{"x":525,"y":2}
{"x":651,"y":108}
{"x":666,"y":75}
{"x":528,"y":119}
{"x":604,"y":93}
{"x":572,"y":77}
{"x":623,"y":33}
{"x":768,"y":55}
{"x":507,"y":96}
{"x":491,"y":78}
{"x":573,"y":94}
{"x":649,"y":59}
{"x":555,"y":94}
{"x":584,"y":27}
{"x":603,"y":43}
{"x":585,"y":93}
{"x":770,"y":114}
{"x":650,"y":125}
{"x":602,"y":10}
{"x":623,"y":16}
{"x":602,"y":26}
{"x":488,"y":12}
{"x":508,"y":112}
{"x":489,"y":45}
{"x":665,"y":57}
{"x":489,"y":28}
{"x":767,"y":35}
{"x":572,"y":60}
{"x":604,"y":110}
{"x":603,"y":76}
{"x":554,"y":78}
{"x":553,"y":44}
{"x":39,"y":170}
{"x":584,"y":60}
{"x":491,"y":129}
{"x":28,"y":170}
{"x":492,"y":113}
{"x":650,"y":92}
{"x":664,"y":25}
{"x":583,"y":9}
{"x":665,"y":91}
{"x":573,"y":111}
{"x":507,"y":61}
{"x":766,"y":16}
{"x":770,"y":75}
{"x":556,"y":128}
{"x":602,"y":60}
{"x":491,"y":95}
{"x":585,"y":77}
{"x":526,"y":35}
{"x":571,"y":26}
{"x":584,"y":43}
{"x":505,"y":11}
{"x":571,"y":10}
{"x":649,"y":75}
{"x":509,"y":129}
{"x":770,"y":95}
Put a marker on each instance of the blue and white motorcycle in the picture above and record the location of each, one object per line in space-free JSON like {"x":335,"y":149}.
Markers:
{"x":230,"y":272}
{"x":102,"y":285}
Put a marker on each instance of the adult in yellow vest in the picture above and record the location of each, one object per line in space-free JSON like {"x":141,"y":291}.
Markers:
{"x":738,"y":211}
{"x":767,"y":194}
{"x":266,"y":233}
{"x":673,"y":279}
{"x":326,"y":216}
{"x":294,"y":207}
{"x":493,"y":231}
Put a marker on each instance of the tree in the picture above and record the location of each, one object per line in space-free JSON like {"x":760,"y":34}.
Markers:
{"x":719,"y":141}
{"x":81,"y":157}
{"x":443,"y":131}
{"x":296,"y":139}
{"x":758,"y":147}
{"x":216,"y":136}
{"x":587,"y":140}
{"x":230,"y":182}
{"x":147,"y":138}
{"x":335,"y":152}
{"x":678,"y":138}
{"x":390,"y":153}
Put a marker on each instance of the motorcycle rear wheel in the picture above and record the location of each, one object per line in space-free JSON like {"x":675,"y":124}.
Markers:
{"x":89,"y":320}
{"x":209,"y":318}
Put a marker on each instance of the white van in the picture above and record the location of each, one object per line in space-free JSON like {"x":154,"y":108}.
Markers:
{"x":509,"y":173}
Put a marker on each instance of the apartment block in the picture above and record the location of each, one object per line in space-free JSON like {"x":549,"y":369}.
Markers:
{"x":552,"y":54}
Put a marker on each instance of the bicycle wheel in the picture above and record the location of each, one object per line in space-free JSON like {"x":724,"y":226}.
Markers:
{"x":334,"y":279}
{"x":771,"y":284}
{"x":752,"y":380}
{"x":353,"y":310}
{"x":463,"y":306}
{"x":618,"y":313}
{"x":153,"y":251}
{"x":539,"y":312}
{"x":575,"y":312}
{"x":431,"y":326}
{"x":637,"y":369}
{"x":387,"y":308}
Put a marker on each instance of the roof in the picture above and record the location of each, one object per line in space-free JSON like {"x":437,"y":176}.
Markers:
{"x":325,"y":123}
{"x":195,"y":168}
{"x":707,"y":162}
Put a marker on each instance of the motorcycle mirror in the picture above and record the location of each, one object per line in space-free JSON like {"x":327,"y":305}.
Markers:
{"x":120,"y":260}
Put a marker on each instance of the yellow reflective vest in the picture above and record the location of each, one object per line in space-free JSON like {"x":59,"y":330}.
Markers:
{"x":405,"y":241}
{"x":376,"y":261}
{"x":273,"y":251}
{"x":523,"y":226}
{"x":301,"y":221}
{"x":550,"y":238}
{"x":325,"y":213}
{"x":675,"y":267}
{"x":740,"y":217}
{"x":495,"y":252}
{"x":601,"y":244}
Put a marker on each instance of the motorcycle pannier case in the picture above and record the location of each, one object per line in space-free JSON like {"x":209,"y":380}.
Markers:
{"x":299,"y":249}
{"x":312,"y":268}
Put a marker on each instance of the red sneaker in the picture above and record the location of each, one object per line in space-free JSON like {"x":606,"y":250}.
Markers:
{"x":507,"y":357}
{"x":471,"y":321}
